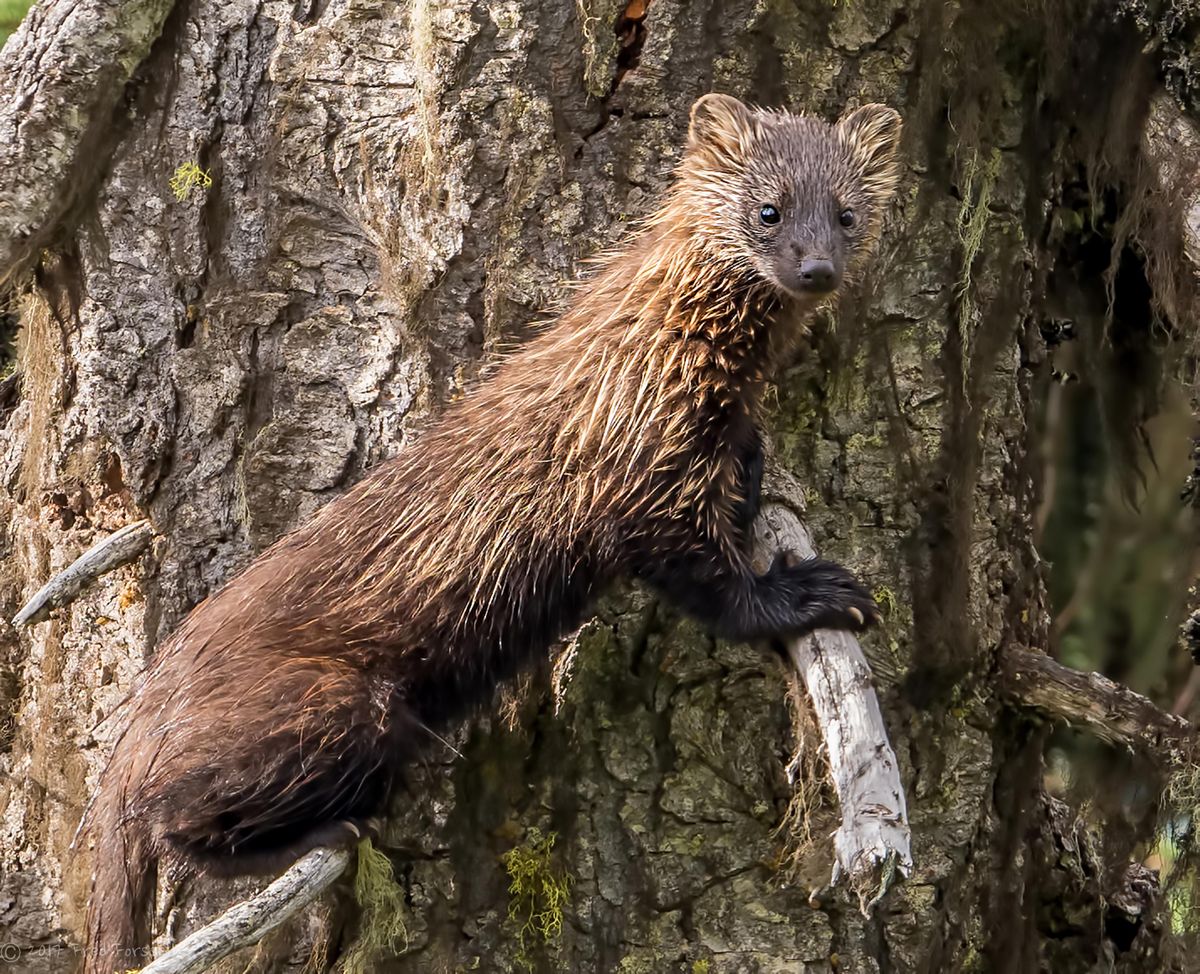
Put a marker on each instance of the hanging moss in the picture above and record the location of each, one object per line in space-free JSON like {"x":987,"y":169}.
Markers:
{"x":978,"y":184}
{"x":600,"y":46}
{"x":380,"y":899}
{"x":1173,"y":851}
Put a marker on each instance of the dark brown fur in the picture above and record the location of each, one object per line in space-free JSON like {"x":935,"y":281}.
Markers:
{"x":620,"y":441}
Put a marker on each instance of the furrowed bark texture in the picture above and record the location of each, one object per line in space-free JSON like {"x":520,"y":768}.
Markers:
{"x":62,"y":77}
{"x":398,"y":190}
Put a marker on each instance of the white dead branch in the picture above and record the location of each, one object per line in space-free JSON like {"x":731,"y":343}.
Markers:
{"x":872,"y":846}
{"x":247,"y":922}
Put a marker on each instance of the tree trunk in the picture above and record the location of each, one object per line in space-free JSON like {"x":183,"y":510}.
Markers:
{"x":299,"y":227}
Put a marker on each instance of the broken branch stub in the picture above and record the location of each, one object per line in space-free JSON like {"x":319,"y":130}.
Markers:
{"x":116,"y":550}
{"x":1092,"y":702}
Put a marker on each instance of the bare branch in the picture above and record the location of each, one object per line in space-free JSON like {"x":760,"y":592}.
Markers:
{"x":61,"y":75}
{"x":872,"y":846}
{"x":248,"y":921}
{"x":116,"y":550}
{"x":1110,"y":711}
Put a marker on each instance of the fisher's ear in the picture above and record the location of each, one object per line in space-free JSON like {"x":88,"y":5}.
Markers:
{"x":872,"y":134}
{"x":720,"y":123}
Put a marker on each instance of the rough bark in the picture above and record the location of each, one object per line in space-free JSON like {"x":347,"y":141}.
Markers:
{"x":62,"y":78}
{"x":397,"y":191}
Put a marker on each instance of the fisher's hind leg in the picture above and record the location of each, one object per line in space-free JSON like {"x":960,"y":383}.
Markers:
{"x":343,"y":834}
{"x":256,"y":795}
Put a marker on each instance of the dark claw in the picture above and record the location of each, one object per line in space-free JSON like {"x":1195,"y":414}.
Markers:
{"x":859,"y":611}
{"x":357,"y":829}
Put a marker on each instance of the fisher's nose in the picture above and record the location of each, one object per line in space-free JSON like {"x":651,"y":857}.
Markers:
{"x":817,"y":275}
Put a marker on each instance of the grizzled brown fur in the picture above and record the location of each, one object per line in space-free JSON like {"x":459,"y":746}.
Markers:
{"x":620,"y":441}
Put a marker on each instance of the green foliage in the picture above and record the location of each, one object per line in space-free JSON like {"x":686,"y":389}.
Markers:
{"x":11,"y":14}
{"x":187,"y":177}
{"x":1173,"y":851}
{"x":380,"y":899}
{"x":537,"y":892}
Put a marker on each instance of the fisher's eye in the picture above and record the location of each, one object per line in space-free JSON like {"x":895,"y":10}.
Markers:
{"x":769,"y":216}
{"x":846,"y":218}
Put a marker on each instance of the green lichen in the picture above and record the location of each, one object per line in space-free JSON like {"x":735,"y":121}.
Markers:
{"x":973,"y":960}
{"x":858,"y":442}
{"x":381,"y":930}
{"x":886,"y":599}
{"x":537,"y":891}
{"x":188,"y":177}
